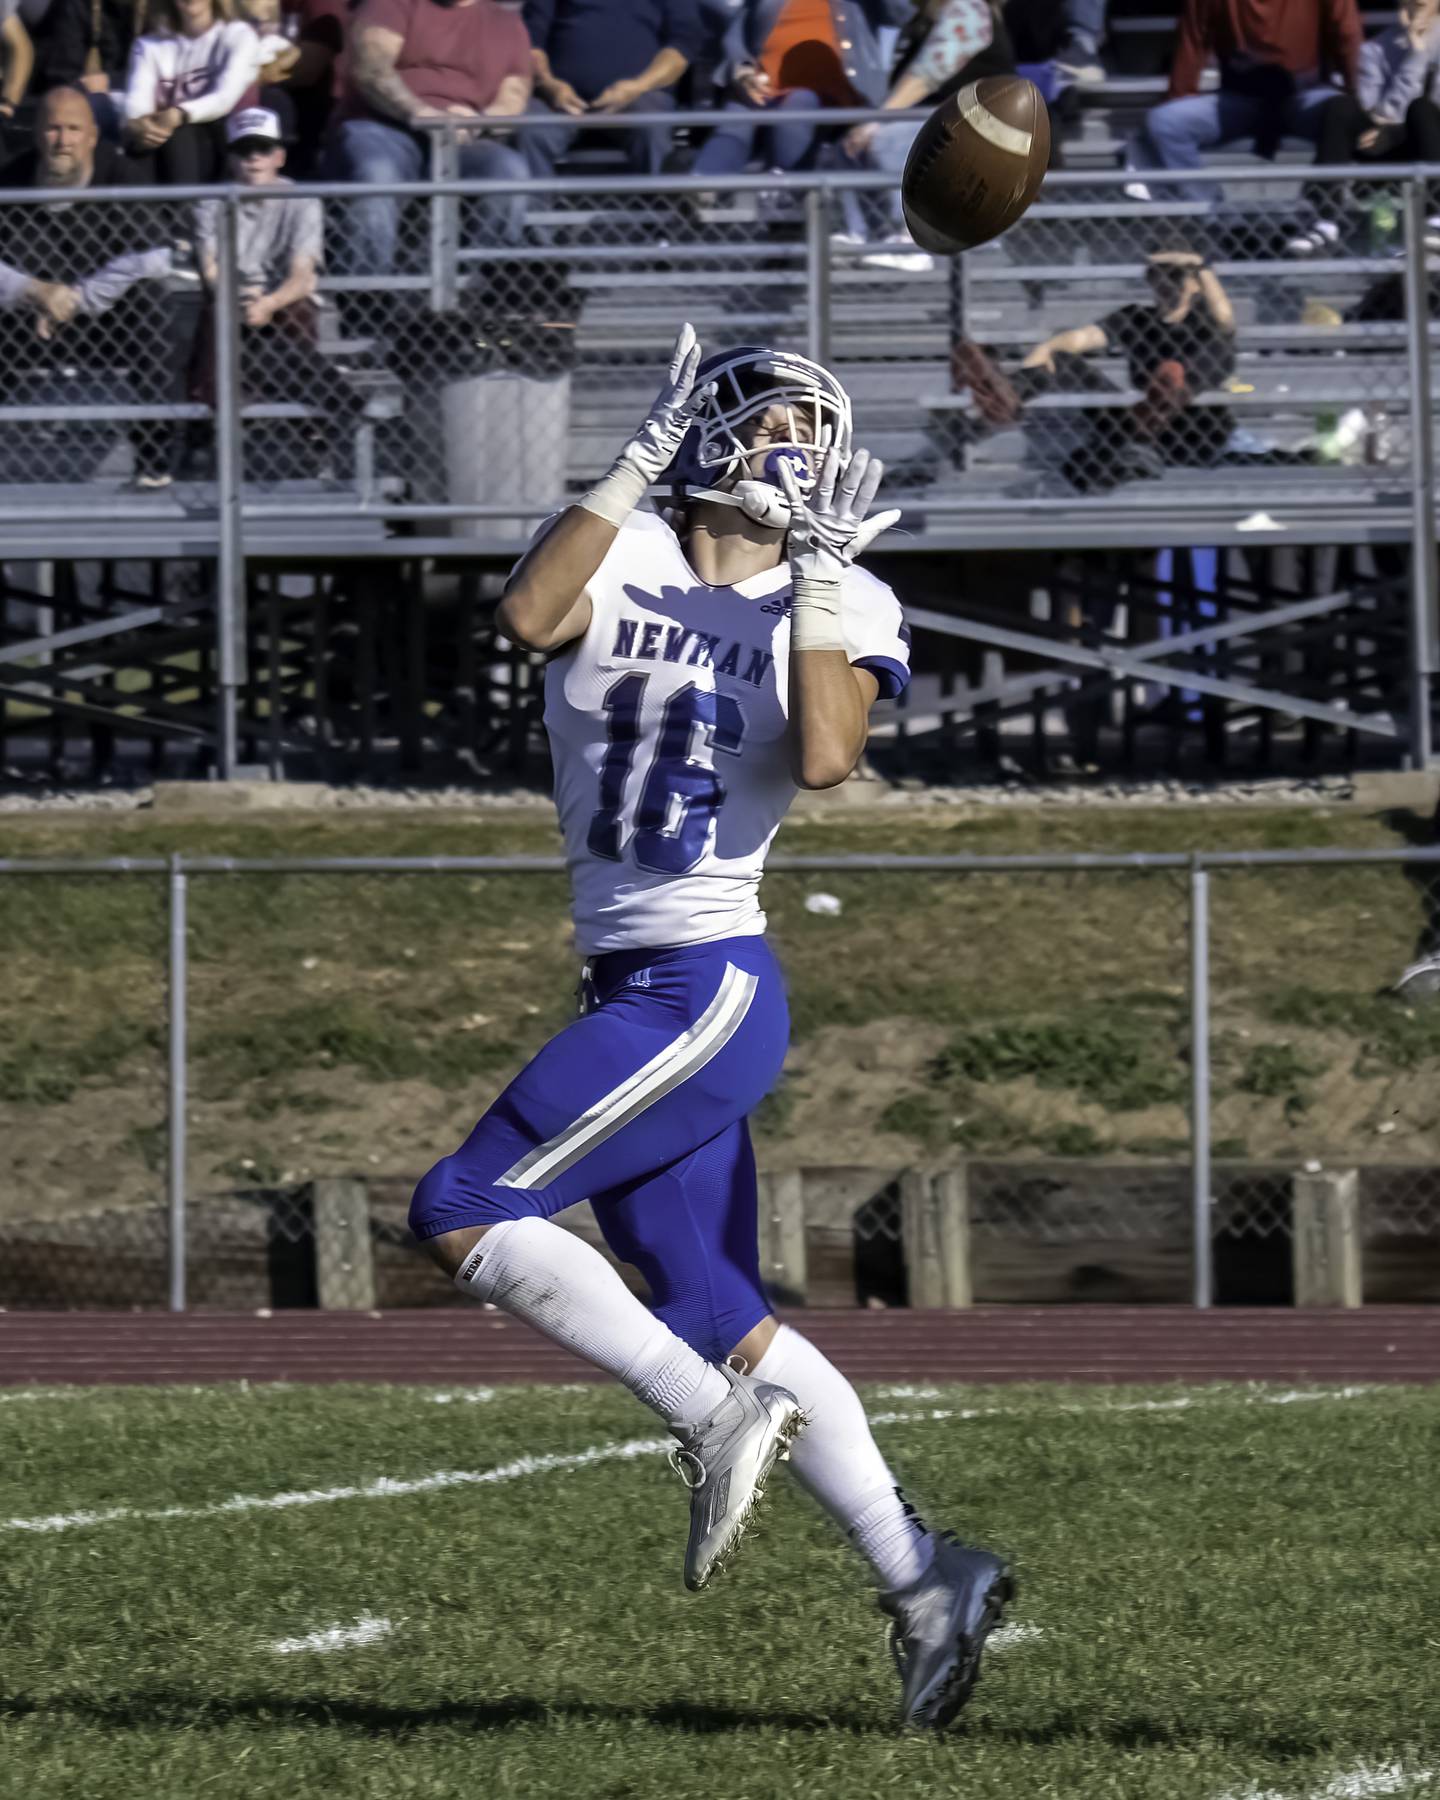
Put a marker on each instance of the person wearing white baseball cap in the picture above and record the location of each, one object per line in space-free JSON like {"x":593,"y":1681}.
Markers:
{"x":279,"y":248}
{"x":279,"y":240}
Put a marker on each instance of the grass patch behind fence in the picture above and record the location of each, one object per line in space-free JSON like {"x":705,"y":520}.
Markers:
{"x":347,"y":1022}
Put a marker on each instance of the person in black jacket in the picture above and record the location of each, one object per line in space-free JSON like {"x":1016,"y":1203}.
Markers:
{"x":1177,"y":348}
{"x":86,"y":44}
{"x":84,"y":298}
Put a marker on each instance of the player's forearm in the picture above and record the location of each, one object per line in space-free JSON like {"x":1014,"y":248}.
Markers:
{"x":828,"y":720}
{"x":545,"y":603}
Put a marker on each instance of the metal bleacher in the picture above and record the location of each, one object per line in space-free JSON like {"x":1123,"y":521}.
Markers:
{"x":562,"y":342}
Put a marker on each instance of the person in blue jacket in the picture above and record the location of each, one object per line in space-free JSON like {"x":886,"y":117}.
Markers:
{"x":787,"y":59}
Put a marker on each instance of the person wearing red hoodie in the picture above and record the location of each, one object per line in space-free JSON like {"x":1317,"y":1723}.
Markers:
{"x":1280,"y":62}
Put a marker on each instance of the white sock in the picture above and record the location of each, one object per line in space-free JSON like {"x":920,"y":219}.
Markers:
{"x":548,"y":1277}
{"x":838,"y":1462}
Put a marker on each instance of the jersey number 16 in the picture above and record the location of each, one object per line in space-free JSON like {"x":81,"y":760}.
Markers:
{"x":681,"y":793}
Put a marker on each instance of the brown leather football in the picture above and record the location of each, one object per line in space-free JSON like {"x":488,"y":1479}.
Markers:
{"x":976,"y":165}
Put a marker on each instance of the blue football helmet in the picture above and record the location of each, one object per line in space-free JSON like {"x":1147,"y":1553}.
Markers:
{"x":712,"y":463}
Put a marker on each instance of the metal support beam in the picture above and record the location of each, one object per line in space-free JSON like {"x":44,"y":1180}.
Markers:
{"x":1128,"y":663}
{"x":36,"y":695}
{"x":1017,"y":687}
{"x":230,"y":572}
{"x":1424,"y":566}
{"x":1204,"y":1285}
{"x":817,"y":270}
{"x":100,"y":628}
{"x":444,"y":224}
{"x":176,"y":1087}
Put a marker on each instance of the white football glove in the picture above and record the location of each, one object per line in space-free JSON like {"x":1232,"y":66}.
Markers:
{"x":828,"y":531}
{"x":653,"y":447}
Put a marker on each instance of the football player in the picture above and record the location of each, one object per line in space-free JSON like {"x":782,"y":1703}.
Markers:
{"x":702,"y":668}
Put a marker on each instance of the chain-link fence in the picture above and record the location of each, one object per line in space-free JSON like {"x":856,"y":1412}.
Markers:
{"x":1180,"y":369}
{"x":475,"y":351}
{"x":1125,"y":1077}
{"x":109,"y":376}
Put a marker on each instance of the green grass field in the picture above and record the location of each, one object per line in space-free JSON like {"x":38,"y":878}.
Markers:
{"x":1224,"y":1597}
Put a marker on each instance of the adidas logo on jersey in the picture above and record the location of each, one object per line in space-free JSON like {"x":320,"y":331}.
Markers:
{"x":651,"y":641}
{"x":782,"y":607}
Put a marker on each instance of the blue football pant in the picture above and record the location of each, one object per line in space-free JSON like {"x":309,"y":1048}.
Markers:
{"x":640,"y":1107}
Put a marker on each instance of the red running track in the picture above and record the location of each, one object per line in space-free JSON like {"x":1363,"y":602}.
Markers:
{"x":987,"y":1344}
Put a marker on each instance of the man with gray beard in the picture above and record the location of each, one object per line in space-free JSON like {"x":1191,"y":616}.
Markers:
{"x":86,"y":316}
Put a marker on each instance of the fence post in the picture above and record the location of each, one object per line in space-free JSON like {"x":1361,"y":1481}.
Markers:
{"x":230,"y":608}
{"x":920,"y":1234}
{"x":952,"y":1202}
{"x":1200,"y":1080}
{"x":176,"y":1087}
{"x":344,"y":1259}
{"x":1424,"y":568}
{"x":444,"y":223}
{"x":782,"y":1235}
{"x":935,"y":1220}
{"x":817,"y":276}
{"x":1325,"y":1244}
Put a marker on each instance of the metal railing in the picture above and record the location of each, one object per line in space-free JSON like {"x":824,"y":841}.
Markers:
{"x":482,"y":365}
{"x":1317,"y":1058}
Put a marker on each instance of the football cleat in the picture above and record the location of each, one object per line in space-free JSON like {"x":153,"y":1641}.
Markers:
{"x":938,"y":1629}
{"x":725,"y":1463}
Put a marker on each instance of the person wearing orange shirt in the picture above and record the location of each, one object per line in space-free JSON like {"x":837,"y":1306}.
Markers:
{"x":788,"y":59}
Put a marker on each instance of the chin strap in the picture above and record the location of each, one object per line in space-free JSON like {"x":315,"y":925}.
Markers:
{"x":760,"y":502}
{"x":764,"y":501}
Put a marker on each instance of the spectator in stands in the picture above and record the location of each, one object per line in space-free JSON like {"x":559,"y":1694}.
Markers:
{"x":418,"y":60}
{"x":1389,"y":117}
{"x":279,"y":251}
{"x":311,"y":82}
{"x":280,"y":243}
{"x":18,"y":56}
{"x":1176,"y":348}
{"x":78,"y":285}
{"x":949,"y":43}
{"x":1078,"y":58}
{"x":787,"y":58}
{"x":608,"y":56}
{"x":185,"y":80}
{"x":1279,"y":62}
{"x":708,"y":71}
{"x":87,"y":44}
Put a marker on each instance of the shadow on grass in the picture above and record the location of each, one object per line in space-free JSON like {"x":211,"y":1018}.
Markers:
{"x":176,"y":1709}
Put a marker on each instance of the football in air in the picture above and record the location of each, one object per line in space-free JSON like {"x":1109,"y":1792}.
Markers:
{"x":976,"y":165}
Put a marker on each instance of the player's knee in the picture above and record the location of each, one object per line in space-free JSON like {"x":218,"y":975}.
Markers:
{"x":443,"y":1201}
{"x":451,"y":1195}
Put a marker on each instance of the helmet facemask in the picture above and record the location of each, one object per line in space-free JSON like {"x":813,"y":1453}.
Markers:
{"x":718,"y":460}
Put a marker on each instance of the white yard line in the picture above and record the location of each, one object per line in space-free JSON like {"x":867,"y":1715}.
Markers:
{"x":1182,"y":1403}
{"x":386,"y":1487}
{"x":366,"y":1630}
{"x":1005,"y":1637}
{"x":466,"y":1396}
{"x":1363,"y":1782}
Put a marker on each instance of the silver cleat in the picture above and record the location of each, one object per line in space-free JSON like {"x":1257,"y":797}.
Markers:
{"x":725,"y":1462}
{"x":939,"y":1626}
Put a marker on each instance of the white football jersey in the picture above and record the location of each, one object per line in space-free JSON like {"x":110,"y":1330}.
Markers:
{"x":667,"y":728}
